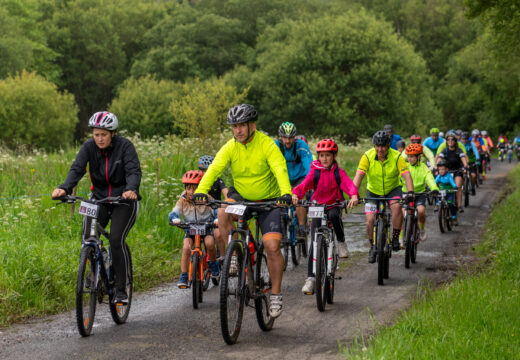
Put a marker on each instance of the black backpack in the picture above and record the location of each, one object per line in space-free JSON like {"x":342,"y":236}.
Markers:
{"x":296,"y":156}
{"x":317,"y":174}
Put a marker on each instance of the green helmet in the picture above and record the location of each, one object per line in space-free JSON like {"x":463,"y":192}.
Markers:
{"x":287,"y":129}
{"x":434,"y":131}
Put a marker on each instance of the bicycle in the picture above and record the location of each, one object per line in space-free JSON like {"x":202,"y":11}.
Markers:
{"x":445,"y":220}
{"x":95,"y":272}
{"x":296,"y":244}
{"x":466,"y":187}
{"x":198,"y":274}
{"x":325,"y":253}
{"x":382,"y":236}
{"x":411,"y":232}
{"x":244,"y":275}
{"x":501,"y":154}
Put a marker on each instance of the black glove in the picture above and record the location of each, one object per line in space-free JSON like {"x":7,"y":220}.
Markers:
{"x":284,"y":200}
{"x":435,"y":193}
{"x":200,"y":198}
{"x":409,"y":196}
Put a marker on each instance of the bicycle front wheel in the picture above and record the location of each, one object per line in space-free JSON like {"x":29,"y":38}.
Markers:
{"x":407,"y":238}
{"x":285,"y":244}
{"x":232,"y":293}
{"x":263,"y":285}
{"x":120,"y":312}
{"x":321,"y":273}
{"x":415,"y":243}
{"x":442,"y":217}
{"x":466,"y":191}
{"x":380,"y":246}
{"x":196,"y":285}
{"x":86,"y":292}
{"x":206,"y":275}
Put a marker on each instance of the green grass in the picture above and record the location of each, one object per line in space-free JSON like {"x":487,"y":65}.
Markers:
{"x":40,"y":241}
{"x":477,"y":316}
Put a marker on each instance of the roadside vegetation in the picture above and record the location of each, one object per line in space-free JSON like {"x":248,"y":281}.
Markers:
{"x":474,"y":317}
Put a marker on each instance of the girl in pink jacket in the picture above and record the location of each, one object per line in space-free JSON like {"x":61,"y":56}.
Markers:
{"x":331,"y":183}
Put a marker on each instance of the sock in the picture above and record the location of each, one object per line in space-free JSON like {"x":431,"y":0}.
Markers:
{"x":395,"y":236}
{"x":421,"y":225}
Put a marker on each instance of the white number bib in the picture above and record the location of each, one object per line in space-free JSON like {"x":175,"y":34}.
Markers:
{"x":88,"y":209}
{"x":316,"y":212}
{"x":236,"y":209}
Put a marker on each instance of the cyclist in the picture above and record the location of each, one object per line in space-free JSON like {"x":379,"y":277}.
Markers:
{"x":302,"y":137}
{"x":487,"y":138}
{"x":190,"y":212}
{"x":433,"y":141}
{"x":482,"y":150}
{"x":298,"y":157}
{"x":445,"y":181}
{"x":457,"y":162}
{"x":329,"y":182}
{"x":114,"y":170}
{"x":383,"y":167}
{"x":502,"y":136}
{"x":218,"y":189}
{"x":401,"y":145}
{"x":516,"y":141}
{"x":421,"y":176}
{"x":502,"y":145}
{"x":394,"y":138}
{"x":473,"y":157}
{"x":259,"y":173}
{"x":428,"y":159}
{"x":441,"y":134}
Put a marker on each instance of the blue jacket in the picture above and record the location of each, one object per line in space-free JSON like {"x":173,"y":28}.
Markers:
{"x":395,"y":139}
{"x":433,"y":145}
{"x":470,"y":147}
{"x":296,"y":169}
{"x":446,"y":181}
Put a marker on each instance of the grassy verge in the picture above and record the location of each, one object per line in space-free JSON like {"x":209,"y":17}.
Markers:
{"x":475,"y":317}
{"x":40,"y":242}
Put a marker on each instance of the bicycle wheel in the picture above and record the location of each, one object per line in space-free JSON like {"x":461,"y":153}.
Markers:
{"x":380,"y":247}
{"x":232,"y":293}
{"x":284,"y":246}
{"x":263,"y":285}
{"x":120,"y":312}
{"x":321,"y":273}
{"x":447,"y":218}
{"x":206,"y":273}
{"x":407,"y":238}
{"x":296,"y":249}
{"x":86,"y":293}
{"x":330,"y":279}
{"x":415,"y":243}
{"x":466,"y":191}
{"x":196,"y":285}
{"x":442,"y":217}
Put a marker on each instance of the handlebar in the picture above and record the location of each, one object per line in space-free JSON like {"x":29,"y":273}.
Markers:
{"x":70,"y":199}
{"x":214,"y":203}
{"x":186,"y":225}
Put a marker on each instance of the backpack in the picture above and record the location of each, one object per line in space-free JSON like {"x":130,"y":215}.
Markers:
{"x":296,"y":156}
{"x":317,"y":174}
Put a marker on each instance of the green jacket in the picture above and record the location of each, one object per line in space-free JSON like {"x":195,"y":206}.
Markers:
{"x":258,"y":168}
{"x":421,"y":177}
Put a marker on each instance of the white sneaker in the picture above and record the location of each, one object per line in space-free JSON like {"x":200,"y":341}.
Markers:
{"x":422,"y":235}
{"x":275,"y":305}
{"x":343,"y":250}
{"x":308,"y":287}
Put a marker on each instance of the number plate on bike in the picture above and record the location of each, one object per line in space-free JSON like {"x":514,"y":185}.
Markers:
{"x":88,"y":209}
{"x":236,"y":209}
{"x":442,"y":192}
{"x":316,"y":212}
{"x":197,"y":229}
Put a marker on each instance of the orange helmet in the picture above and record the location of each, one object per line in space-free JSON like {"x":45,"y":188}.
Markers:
{"x":327,"y":145}
{"x":192,"y":177}
{"x":413,"y":149}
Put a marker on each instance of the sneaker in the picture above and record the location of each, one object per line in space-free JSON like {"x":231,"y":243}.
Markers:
{"x":308,"y":287}
{"x":422,"y":235}
{"x":395,"y":245}
{"x":233,"y":267}
{"x":121,"y":297}
{"x":343,"y":250}
{"x":473,"y":192}
{"x":461,"y":209}
{"x":372,"y":255}
{"x":183,"y":281}
{"x":214,"y":268}
{"x":275,"y":305}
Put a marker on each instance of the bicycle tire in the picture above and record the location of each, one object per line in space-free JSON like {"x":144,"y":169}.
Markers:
{"x":331,"y":280}
{"x":195,"y":281}
{"x":296,"y":253}
{"x":120,"y":312}
{"x":415,"y":243}
{"x":380,"y":248}
{"x":285,"y":243}
{"x":232,"y":289}
{"x":206,"y":274}
{"x":442,"y":209}
{"x":447,"y":218}
{"x":466,"y":191}
{"x":321,"y":273}
{"x":407,"y":238}
{"x":263,"y":286}
{"x":86,"y":300}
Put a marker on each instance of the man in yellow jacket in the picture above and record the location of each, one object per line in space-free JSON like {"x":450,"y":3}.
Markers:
{"x":259,"y":173}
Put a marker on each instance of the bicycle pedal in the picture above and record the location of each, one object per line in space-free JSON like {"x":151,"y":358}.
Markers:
{"x":338,"y":278}
{"x":183,"y":287}
{"x":308,"y":293}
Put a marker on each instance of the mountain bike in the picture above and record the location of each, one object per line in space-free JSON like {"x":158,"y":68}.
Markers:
{"x":501,"y":154}
{"x":466,"y":187}
{"x":411,"y":232}
{"x":382,"y":235}
{"x":297,"y":245}
{"x":325,"y":253}
{"x":198,"y":274}
{"x":445,"y":220}
{"x":244,"y":275}
{"x":95,"y":273}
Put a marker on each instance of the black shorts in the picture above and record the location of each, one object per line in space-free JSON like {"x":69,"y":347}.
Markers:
{"x":473,"y":168}
{"x":457,"y":173}
{"x":269,"y":220}
{"x":420,"y":200}
{"x":396,"y":193}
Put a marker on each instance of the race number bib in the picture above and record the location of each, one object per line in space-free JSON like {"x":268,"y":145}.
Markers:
{"x":236,"y":209}
{"x":442,"y":192}
{"x":316,"y":212}
{"x":88,"y":209}
{"x":370,"y":207}
{"x":197,"y":229}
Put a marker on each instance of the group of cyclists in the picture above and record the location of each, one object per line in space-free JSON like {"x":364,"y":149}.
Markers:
{"x":285,"y":171}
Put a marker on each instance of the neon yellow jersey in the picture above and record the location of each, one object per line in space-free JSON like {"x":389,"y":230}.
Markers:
{"x":443,"y":146}
{"x":421,"y":176}
{"x":258,"y":168}
{"x":384,"y":176}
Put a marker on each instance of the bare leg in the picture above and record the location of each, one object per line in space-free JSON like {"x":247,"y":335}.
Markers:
{"x":274,"y":260}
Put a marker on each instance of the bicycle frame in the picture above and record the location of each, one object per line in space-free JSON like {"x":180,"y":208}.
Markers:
{"x":96,"y":242}
{"x":327,"y":231}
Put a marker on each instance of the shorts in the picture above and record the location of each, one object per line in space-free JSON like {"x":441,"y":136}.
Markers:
{"x":472,"y":168}
{"x":269,"y":220}
{"x":420,"y":200}
{"x":396,"y":193}
{"x":457,"y":173}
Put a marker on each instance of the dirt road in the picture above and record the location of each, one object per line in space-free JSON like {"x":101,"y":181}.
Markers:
{"x":163,"y":324}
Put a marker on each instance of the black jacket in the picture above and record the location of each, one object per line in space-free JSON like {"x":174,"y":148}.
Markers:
{"x":112,"y":171}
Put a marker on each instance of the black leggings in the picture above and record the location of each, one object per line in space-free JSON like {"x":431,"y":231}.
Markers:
{"x":123,"y":218}
{"x":334,"y":215}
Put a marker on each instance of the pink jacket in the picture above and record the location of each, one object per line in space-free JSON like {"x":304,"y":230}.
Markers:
{"x":327,"y":191}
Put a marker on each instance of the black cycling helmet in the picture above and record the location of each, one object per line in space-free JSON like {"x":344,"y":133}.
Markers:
{"x":442,"y":162}
{"x":205,"y":161}
{"x":241,"y":113}
{"x":381,"y":138}
{"x":400,"y":144}
{"x":464,"y":135}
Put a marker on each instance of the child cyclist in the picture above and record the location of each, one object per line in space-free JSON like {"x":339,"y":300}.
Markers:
{"x":331,"y":182}
{"x":445,"y":181}
{"x":421,"y":176}
{"x":186,"y":208}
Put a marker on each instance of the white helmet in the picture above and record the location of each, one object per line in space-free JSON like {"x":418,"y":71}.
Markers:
{"x":103,"y":120}
{"x":475,"y":133}
{"x":484,"y":133}
{"x":441,"y":134}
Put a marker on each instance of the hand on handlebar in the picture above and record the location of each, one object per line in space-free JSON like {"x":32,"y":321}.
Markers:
{"x":57,"y":193}
{"x":129,"y":195}
{"x":284,"y":200}
{"x":295,"y":199}
{"x":410,"y":196}
{"x":176,"y":221}
{"x":353,"y":201}
{"x":200,"y":198}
